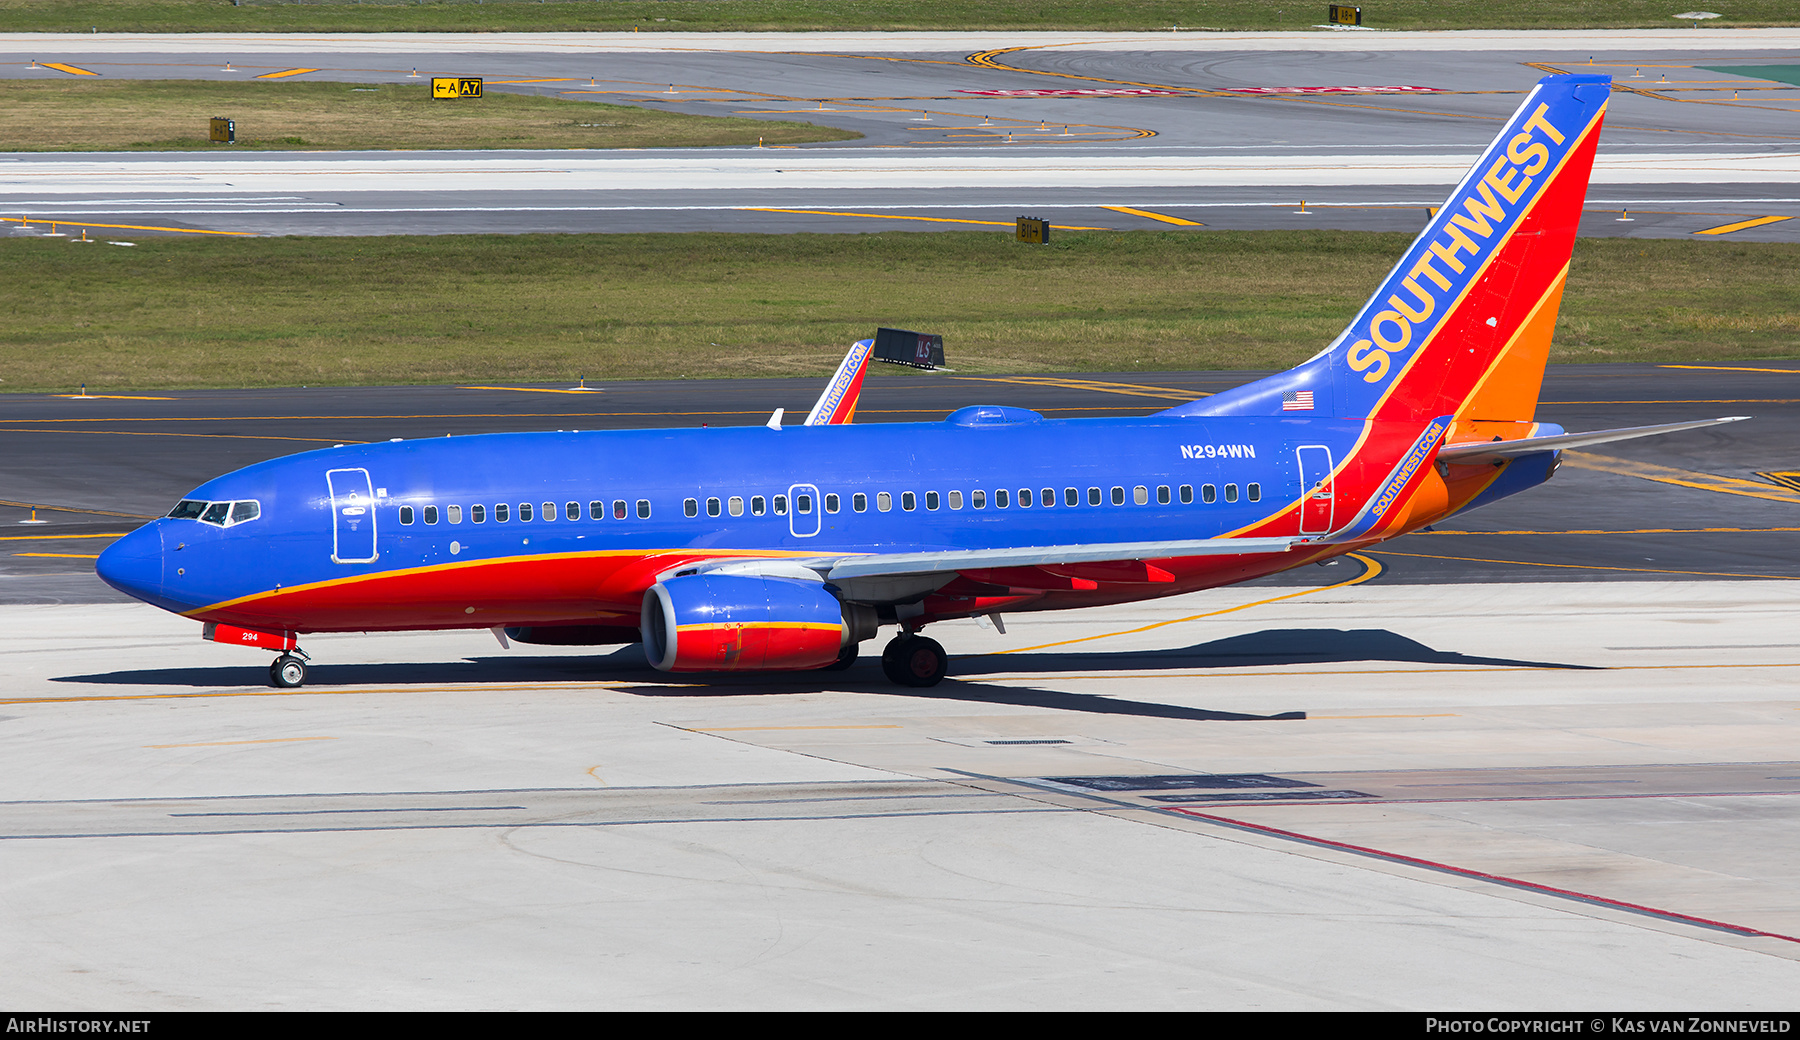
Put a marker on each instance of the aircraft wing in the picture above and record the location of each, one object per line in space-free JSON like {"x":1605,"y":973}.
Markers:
{"x":935,"y":568}
{"x":896,"y":564}
{"x":1497,"y":451}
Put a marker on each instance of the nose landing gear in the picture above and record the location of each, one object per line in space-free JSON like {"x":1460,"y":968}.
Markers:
{"x":289,"y":670}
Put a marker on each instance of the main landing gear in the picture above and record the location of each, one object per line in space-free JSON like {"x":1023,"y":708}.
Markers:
{"x":289,"y":670}
{"x":913,"y":660}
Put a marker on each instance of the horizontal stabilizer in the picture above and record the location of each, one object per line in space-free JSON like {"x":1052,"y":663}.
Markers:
{"x":1496,"y":451}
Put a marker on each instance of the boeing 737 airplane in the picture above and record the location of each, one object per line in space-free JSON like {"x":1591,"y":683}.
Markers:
{"x":780,"y":549}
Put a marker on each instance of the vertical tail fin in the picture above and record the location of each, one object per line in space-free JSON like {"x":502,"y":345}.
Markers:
{"x":838,"y":403}
{"x":1461,"y":326}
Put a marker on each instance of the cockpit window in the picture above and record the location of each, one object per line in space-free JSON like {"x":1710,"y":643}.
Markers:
{"x":221,"y":514}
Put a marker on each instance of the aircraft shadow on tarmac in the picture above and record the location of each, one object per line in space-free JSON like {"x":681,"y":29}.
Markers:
{"x":1273,"y":647}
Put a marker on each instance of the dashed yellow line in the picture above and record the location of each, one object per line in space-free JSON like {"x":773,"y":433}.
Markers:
{"x":62,"y":556}
{"x":1164,"y":217}
{"x":1680,"y":477}
{"x":285,"y":73}
{"x":1726,"y":229}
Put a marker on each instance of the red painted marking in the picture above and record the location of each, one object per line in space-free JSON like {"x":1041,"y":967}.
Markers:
{"x":1480,"y":875}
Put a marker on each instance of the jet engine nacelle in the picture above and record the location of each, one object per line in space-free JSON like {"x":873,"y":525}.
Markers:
{"x":747,"y":623}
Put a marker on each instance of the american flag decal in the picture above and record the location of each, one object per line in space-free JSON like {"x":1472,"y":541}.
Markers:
{"x":1297,"y":401}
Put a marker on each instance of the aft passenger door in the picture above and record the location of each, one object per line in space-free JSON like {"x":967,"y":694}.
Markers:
{"x":1315,"y":488}
{"x":352,"y":516}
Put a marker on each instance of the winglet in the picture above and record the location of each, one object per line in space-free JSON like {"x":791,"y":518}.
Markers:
{"x":774,"y":422}
{"x":838,"y":403}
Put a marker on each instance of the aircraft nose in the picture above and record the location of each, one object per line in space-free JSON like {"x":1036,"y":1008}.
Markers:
{"x":134,"y":563}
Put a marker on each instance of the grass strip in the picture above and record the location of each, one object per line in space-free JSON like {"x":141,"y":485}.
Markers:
{"x":165,"y":115}
{"x":192,"y":312}
{"x":884,"y":15}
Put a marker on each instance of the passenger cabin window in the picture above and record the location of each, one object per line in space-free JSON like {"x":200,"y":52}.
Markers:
{"x":1024,"y":498}
{"x":1093,"y":496}
{"x":597,"y":511}
{"x":955,"y":500}
{"x":1231,"y":492}
{"x":781,"y":505}
{"x":477,"y":514}
{"x":524,"y":512}
{"x":1047,"y":497}
{"x":831,"y":503}
{"x":1162,"y":494}
{"x":1253,"y":492}
{"x":978,"y":499}
{"x":1118,"y":496}
{"x":713,"y":507}
{"x":909,"y":501}
{"x":884,"y":501}
{"x":406,"y":515}
{"x":502,"y":513}
{"x":1071,"y":497}
{"x":931,"y":500}
{"x":549,"y":513}
{"x":859,"y":502}
{"x":431,"y":514}
{"x":757,"y":505}
{"x":643,"y":509}
{"x":572,"y":510}
{"x":1209,"y":494}
{"x":737,"y":505}
{"x":455,"y":513}
{"x":999,"y":498}
{"x":802,"y":504}
{"x":1187,"y":494}
{"x":690,"y":507}
{"x":619,"y":512}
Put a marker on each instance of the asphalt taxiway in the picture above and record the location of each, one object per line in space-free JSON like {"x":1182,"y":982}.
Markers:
{"x":1127,"y":131}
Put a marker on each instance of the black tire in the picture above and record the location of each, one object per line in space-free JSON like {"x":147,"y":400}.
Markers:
{"x":846,"y":657}
{"x":287,"y":673}
{"x":915,"y":661}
